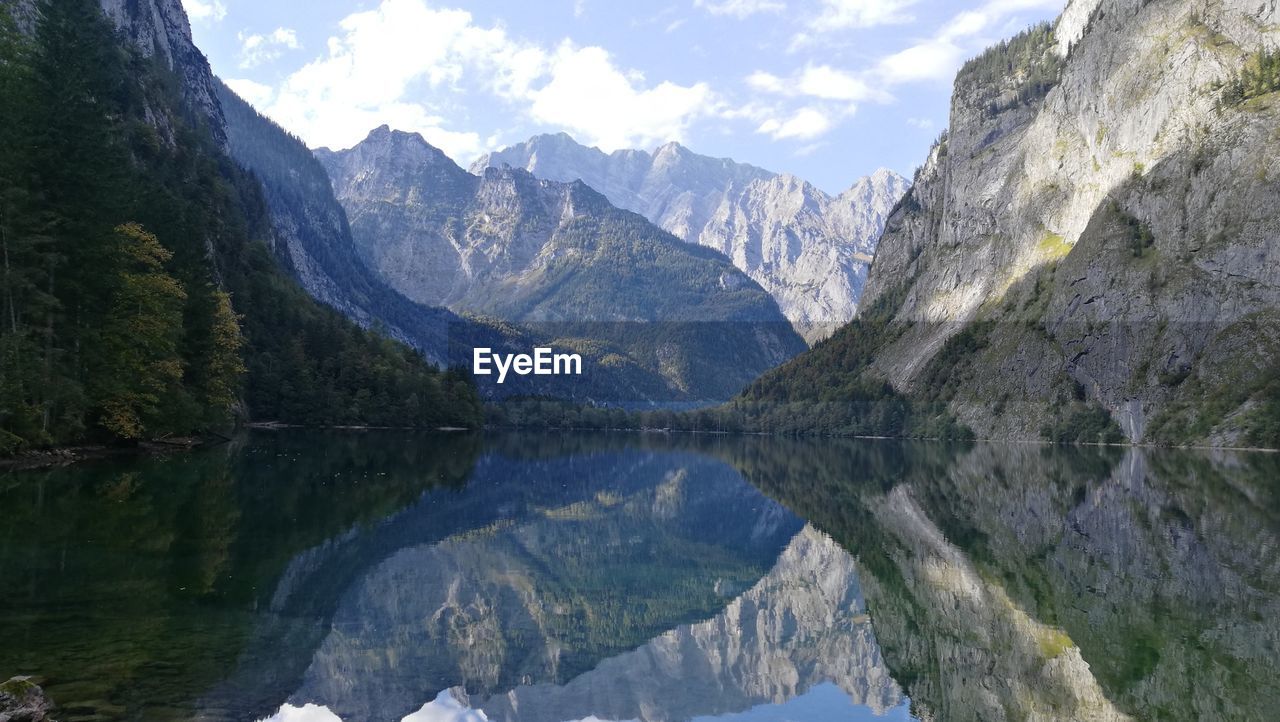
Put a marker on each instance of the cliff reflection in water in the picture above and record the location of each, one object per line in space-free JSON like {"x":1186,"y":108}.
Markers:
{"x":647,"y":577}
{"x":1025,"y":582}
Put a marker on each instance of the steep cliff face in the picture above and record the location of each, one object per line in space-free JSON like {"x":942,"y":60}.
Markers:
{"x":559,"y":259}
{"x":1100,"y":222}
{"x":808,"y":249}
{"x":159,"y":29}
{"x":143,"y":141}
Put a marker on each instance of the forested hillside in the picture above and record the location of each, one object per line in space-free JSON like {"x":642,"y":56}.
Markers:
{"x":139,"y":298}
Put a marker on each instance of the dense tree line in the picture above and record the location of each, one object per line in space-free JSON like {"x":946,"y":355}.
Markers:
{"x":136,"y":292}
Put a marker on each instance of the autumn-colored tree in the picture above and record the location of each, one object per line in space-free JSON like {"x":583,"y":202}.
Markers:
{"x":224,"y":367}
{"x":141,"y":364}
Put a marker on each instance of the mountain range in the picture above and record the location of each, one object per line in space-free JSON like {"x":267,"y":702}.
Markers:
{"x":1088,"y":253}
{"x":808,"y":249}
{"x":558,"y":260}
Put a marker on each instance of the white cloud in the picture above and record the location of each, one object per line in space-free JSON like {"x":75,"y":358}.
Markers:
{"x":767,"y":82}
{"x":921,"y":123}
{"x":805,"y":151}
{"x":740,"y":8}
{"x":935,"y":59}
{"x":754,"y":112}
{"x":588,"y":94}
{"x":817,"y":81}
{"x":257,"y":49}
{"x":821,"y":95}
{"x":830,"y":94}
{"x":205,"y":10}
{"x":991,"y":14}
{"x":257,"y":94}
{"x":305,"y":713}
{"x":403,"y":62}
{"x":446,"y":709}
{"x":939,"y":57}
{"x":805,"y":124}
{"x":384,"y":61}
{"x":849,"y":14}
{"x":823,"y":81}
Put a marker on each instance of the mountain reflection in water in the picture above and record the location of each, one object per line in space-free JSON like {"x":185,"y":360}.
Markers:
{"x":627,"y":577}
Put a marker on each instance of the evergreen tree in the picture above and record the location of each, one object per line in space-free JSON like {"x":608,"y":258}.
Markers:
{"x":1259,"y":76}
{"x":25,"y":304}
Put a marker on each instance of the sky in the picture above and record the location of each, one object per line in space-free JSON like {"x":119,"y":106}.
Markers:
{"x":829,"y":90}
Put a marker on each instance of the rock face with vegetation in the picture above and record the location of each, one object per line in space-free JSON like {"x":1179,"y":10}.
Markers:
{"x":810,"y":250}
{"x":1091,"y":250}
{"x":559,"y":259}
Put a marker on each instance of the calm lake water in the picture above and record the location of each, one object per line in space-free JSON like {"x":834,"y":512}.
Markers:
{"x":304,"y":576}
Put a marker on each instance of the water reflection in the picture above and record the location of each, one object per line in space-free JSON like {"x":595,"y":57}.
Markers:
{"x":608,"y":550}
{"x":798,"y":642}
{"x":802,"y":625}
{"x":619,"y":577}
{"x":1020,"y":582}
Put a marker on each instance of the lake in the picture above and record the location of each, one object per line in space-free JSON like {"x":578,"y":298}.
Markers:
{"x":300,"y":576}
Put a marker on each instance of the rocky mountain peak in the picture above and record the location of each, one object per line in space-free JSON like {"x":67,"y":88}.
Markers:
{"x":795,"y":195}
{"x":405,"y":156}
{"x":808,"y":249}
{"x":875,"y":191}
{"x":535,"y":251}
{"x":671,"y":150}
{"x":404,"y":142}
{"x":883,"y":178}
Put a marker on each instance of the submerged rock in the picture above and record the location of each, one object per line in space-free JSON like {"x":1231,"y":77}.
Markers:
{"x":22,"y":700}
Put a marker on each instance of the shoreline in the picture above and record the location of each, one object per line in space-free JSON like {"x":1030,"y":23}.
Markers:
{"x":62,"y":456}
{"x":72,"y":454}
